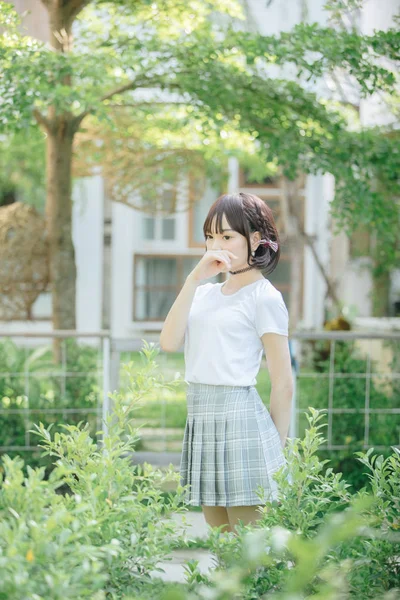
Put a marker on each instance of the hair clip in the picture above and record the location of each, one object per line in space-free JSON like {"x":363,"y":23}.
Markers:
{"x":271,"y":243}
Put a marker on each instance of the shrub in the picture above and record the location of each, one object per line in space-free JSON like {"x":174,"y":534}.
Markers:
{"x":105,"y":533}
{"x":45,"y":394}
{"x":348,"y":393}
{"x":317,"y":540}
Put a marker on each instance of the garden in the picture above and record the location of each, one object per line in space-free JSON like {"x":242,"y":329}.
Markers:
{"x":113,"y":105}
{"x":95,"y":526}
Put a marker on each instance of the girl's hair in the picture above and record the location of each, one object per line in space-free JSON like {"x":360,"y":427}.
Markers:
{"x":245,"y":214}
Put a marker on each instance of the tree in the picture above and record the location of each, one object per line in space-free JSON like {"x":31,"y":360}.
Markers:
{"x":101,"y":53}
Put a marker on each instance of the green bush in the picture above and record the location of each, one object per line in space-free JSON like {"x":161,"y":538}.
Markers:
{"x":348,"y":393}
{"x":98,"y":526}
{"x":317,"y":540}
{"x":46,"y":394}
{"x":105,"y":533}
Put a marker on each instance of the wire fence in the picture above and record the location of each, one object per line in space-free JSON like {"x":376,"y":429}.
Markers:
{"x":353,"y":376}
{"x":356,"y":380}
{"x":34,"y":389}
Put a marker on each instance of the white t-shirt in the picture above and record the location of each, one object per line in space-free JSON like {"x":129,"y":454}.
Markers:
{"x":222,"y":336}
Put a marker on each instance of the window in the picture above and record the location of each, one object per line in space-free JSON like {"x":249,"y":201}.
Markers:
{"x":149,"y":228}
{"x":157,"y":282}
{"x":167,"y":229}
{"x":161,"y":226}
{"x":281,"y":277}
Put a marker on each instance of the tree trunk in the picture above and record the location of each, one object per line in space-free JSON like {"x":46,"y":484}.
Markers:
{"x":60,"y":129}
{"x":59,"y":225}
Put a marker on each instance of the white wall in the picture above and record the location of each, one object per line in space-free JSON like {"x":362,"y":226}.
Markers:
{"x":87,"y":234}
{"x":123,"y":228}
{"x":318,"y":195}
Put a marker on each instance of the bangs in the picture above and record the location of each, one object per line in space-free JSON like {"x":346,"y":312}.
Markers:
{"x":245,"y":214}
{"x":231,"y":206}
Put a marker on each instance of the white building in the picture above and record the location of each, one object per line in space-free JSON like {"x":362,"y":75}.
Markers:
{"x":131,"y":266}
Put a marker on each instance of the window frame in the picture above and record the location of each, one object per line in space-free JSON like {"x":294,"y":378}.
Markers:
{"x":135,"y":288}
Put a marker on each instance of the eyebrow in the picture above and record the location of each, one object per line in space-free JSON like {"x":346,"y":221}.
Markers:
{"x":223,"y":230}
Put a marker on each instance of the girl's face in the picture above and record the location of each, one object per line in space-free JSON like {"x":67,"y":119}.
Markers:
{"x":228,"y":239}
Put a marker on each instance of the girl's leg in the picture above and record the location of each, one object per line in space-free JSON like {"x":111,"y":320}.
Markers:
{"x":247,"y":514}
{"x":216,"y":516}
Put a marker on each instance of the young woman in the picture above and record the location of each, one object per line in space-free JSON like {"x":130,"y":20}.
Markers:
{"x":232,"y":443}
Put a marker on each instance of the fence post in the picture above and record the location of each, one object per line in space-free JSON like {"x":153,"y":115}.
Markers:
{"x":106,"y":384}
{"x":115,"y":359}
{"x":294,"y":349}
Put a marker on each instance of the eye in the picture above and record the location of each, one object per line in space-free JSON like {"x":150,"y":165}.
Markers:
{"x":225,"y":236}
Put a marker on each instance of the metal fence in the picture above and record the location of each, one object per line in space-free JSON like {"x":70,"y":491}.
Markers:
{"x":381,"y":362}
{"x":29,"y":343}
{"x":377,"y":356}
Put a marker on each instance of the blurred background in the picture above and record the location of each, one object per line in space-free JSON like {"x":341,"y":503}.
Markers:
{"x":121,"y":123}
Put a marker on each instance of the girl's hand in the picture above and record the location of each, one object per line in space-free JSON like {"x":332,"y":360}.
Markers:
{"x":212,"y":263}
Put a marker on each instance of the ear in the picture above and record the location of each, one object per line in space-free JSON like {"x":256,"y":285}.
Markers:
{"x":255,"y":237}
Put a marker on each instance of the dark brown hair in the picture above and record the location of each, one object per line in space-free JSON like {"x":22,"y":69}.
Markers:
{"x":247,"y":213}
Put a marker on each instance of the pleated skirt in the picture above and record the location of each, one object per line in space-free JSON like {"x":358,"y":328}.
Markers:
{"x":231,"y":447}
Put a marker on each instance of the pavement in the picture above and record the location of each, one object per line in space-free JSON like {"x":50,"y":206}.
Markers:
{"x":196,"y":527}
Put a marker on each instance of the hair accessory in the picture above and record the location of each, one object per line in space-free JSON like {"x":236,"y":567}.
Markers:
{"x":271,"y":243}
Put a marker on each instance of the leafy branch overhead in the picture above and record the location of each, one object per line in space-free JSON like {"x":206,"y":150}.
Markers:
{"x":197,"y":62}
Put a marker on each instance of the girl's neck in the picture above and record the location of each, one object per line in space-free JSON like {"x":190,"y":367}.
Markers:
{"x":235,"y":282}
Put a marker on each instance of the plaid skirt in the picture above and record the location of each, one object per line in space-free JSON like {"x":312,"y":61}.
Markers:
{"x":231,"y":447}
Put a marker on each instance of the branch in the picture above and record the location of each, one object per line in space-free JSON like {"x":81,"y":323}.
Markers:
{"x":120,"y":90}
{"x":79,"y":118}
{"x":149,"y":103}
{"x":70,"y":8}
{"x":74,"y":7}
{"x":41,"y":119}
{"x":329,"y":284}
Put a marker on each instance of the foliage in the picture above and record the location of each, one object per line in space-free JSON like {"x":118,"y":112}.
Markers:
{"x":348,"y":389}
{"x":354,"y":375}
{"x":97,"y":527}
{"x":22,"y":166}
{"x":316,"y":540}
{"x":107,"y":531}
{"x":32,"y":389}
{"x":219,"y":82}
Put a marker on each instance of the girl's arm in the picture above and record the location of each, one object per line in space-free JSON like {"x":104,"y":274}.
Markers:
{"x":173,"y":331}
{"x":280,"y":371}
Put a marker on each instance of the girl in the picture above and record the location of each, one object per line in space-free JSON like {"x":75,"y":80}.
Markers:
{"x":232,"y":444}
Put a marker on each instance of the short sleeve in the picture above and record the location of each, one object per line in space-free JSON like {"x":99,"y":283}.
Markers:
{"x":200,"y":290}
{"x":271,"y":314}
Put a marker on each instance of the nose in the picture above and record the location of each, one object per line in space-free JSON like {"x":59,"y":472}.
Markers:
{"x":215,"y":244}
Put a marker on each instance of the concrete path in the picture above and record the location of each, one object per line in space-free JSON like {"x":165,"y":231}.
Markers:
{"x":195,"y":527}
